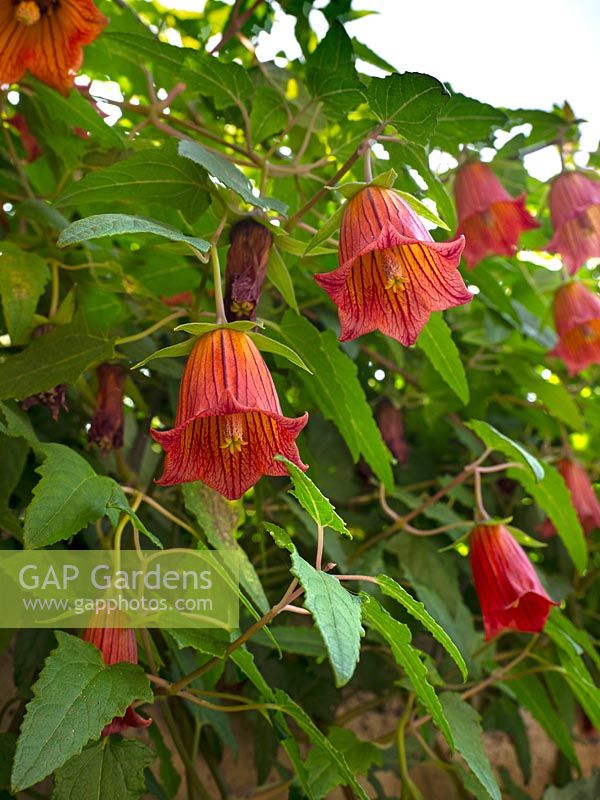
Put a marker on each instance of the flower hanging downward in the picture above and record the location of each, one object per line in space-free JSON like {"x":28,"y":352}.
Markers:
{"x":117,"y":644}
{"x":46,"y":37}
{"x":392,"y":274}
{"x":107,"y":425}
{"x":577,"y":320}
{"x":509,"y":590}
{"x":229,"y":425}
{"x":490,"y":219}
{"x":584,"y":498}
{"x":574,"y":202}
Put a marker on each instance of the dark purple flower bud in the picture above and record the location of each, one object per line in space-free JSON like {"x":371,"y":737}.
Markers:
{"x":108,"y":421}
{"x":246,"y":268}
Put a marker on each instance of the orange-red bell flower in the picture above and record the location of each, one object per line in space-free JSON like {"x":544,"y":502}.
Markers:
{"x":392,"y":274}
{"x":490,"y":219}
{"x":584,"y":497}
{"x":45,"y":37}
{"x":117,"y":644}
{"x":577,"y":320}
{"x":510,"y":593}
{"x":574,"y":202}
{"x":229,"y":424}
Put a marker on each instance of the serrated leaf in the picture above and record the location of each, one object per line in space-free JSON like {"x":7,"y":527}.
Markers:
{"x":338,"y":392}
{"x":464,"y":120}
{"x":268,"y":345}
{"x":553,"y":497}
{"x":76,"y":695}
{"x":466,"y":730}
{"x":279,"y":275}
{"x":111,"y":768}
{"x":359,"y":754}
{"x":210,"y":642}
{"x":151,"y":176}
{"x":23,"y":277}
{"x":69,"y":496}
{"x":331,"y":76}
{"x":57,"y":357}
{"x":223,"y":170}
{"x":410,"y":101}
{"x":419,"y":612}
{"x":399,"y":637}
{"x":435,"y":340}
{"x":268,"y":115}
{"x":99,"y":225}
{"x":219,"y":518}
{"x":336,"y":613}
{"x":496,"y":440}
{"x":313,"y":500}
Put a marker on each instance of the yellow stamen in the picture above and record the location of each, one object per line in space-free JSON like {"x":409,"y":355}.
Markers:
{"x":233,"y":440}
{"x":392,"y":272}
{"x":28,"y":13}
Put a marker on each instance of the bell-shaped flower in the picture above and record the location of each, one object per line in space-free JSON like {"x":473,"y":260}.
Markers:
{"x":229,"y":425}
{"x":490,"y":219}
{"x":392,"y":274}
{"x":510,"y":593}
{"x":574,"y":202}
{"x":116,"y":645}
{"x":585,"y":501}
{"x":577,"y":321}
{"x":45,"y":37}
{"x":108,"y":421}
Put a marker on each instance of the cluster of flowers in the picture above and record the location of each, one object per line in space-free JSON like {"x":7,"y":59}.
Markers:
{"x":391,"y":276}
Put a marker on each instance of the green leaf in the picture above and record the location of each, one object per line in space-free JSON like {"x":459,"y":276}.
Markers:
{"x":419,"y":612}
{"x":466,"y":730}
{"x":320,"y":740}
{"x":422,"y":210}
{"x":219,"y":518}
{"x":313,"y":500}
{"x":360,"y":756}
{"x":100,"y":225}
{"x":57,"y":357}
{"x":279,"y":275}
{"x":366,"y":54}
{"x":553,"y":497}
{"x":331,"y":76}
{"x":111,"y":768}
{"x":584,"y":789}
{"x":555,"y":397}
{"x":223,"y":170}
{"x":338,"y":392}
{"x":495,"y":440}
{"x":566,"y":635}
{"x":410,"y":102}
{"x":173,"y":351}
{"x":268,"y":345}
{"x":268,"y":115}
{"x":280,"y":537}
{"x":119,"y":502}
{"x":465,"y":120}
{"x":336,"y":613}
{"x":532,"y":695}
{"x":76,"y":695}
{"x":150,"y":176}
{"x":436,"y":342}
{"x":68,"y":497}
{"x":293,"y":639}
{"x":326,"y":230}
{"x":503,"y":714}
{"x":23,"y":277}
{"x":399,"y":637}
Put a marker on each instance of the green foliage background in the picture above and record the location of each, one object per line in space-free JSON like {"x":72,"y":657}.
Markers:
{"x":151,"y":191}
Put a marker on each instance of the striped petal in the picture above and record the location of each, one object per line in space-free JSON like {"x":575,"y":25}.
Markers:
{"x":578,"y":239}
{"x":229,"y":425}
{"x":509,"y":590}
{"x":392,"y":274}
{"x":49,"y":47}
{"x":577,"y":321}
{"x":584,"y":497}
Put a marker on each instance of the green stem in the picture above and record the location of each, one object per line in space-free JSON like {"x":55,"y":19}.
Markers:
{"x":161,"y":323}
{"x":219,"y":304}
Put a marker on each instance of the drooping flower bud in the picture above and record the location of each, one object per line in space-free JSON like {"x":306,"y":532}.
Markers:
{"x":30,"y":144}
{"x":584,"y":498}
{"x":574,"y":202}
{"x":391,"y":425}
{"x":247,"y":260}
{"x":108,"y":422}
{"x":229,"y":424}
{"x":117,"y":644}
{"x":577,"y":320}
{"x":392,"y":274}
{"x":45,"y":37}
{"x":510,"y":593}
{"x":54,"y":399}
{"x":490,"y":219}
